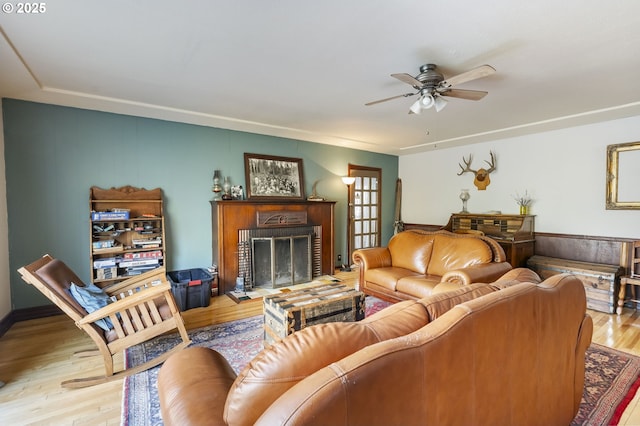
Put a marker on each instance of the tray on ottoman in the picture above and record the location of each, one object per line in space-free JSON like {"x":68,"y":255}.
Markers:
{"x":285,"y":313}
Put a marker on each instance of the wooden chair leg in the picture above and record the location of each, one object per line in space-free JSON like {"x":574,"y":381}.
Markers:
{"x":621,"y":295}
{"x":96,"y":380}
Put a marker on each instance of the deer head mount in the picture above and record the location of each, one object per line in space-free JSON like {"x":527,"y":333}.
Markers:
{"x":482,"y":175}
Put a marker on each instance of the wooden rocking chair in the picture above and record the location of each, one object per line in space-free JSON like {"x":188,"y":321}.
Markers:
{"x":144,"y":308}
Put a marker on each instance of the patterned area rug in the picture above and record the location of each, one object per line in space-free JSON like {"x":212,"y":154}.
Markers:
{"x":238,"y":341}
{"x":611,"y":379}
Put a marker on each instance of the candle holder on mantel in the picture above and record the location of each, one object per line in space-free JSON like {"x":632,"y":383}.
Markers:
{"x":217,"y":188}
{"x":226,"y":186}
{"x":464,"y":196}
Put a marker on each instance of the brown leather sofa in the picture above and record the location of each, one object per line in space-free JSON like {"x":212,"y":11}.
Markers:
{"x":473,"y":355}
{"x":416,"y":261}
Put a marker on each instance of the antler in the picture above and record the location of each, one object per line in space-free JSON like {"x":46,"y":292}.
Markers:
{"x":492,"y":164}
{"x":467,"y":168}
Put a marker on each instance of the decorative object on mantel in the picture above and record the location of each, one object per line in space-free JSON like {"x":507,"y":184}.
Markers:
{"x":481,"y":180}
{"x":226,"y":186}
{"x":237,"y":192}
{"x":217,"y":188}
{"x":269,"y":177}
{"x":523,"y":201}
{"x":314,"y":195}
{"x":464,"y":196}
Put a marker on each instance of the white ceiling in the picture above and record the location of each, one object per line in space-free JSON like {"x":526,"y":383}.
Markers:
{"x":304,"y":69}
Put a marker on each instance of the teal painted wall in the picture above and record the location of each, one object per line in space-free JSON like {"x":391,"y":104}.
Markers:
{"x":55,"y":154}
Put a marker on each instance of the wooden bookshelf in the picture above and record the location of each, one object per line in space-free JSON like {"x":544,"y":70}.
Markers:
{"x":131,"y":245}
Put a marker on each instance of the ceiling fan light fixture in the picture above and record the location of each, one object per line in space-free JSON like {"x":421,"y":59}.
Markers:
{"x":427,"y":101}
{"x":440,"y":103}
{"x":431,"y":86}
{"x":416,"y":108}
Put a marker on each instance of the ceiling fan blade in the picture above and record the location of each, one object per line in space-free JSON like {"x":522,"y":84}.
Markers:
{"x":471,"y":95}
{"x":406,"y":78}
{"x":479,"y":72}
{"x":388,"y":99}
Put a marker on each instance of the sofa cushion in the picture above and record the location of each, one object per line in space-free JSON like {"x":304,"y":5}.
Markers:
{"x":411,"y":251}
{"x":388,"y":277}
{"x":439,"y":303}
{"x":57,"y":276}
{"x":455,"y":252}
{"x":418,"y":286}
{"x":282,"y":365}
{"x":396,"y":320}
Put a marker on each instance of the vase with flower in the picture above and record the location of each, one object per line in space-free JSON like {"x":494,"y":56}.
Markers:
{"x":524,"y":201}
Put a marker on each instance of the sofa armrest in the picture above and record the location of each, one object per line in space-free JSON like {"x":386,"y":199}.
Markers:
{"x":483,"y":273}
{"x":370,"y":258}
{"x":517,"y":276}
{"x":192,"y":387}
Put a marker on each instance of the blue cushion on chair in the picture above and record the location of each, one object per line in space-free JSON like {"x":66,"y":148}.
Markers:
{"x":92,"y":298}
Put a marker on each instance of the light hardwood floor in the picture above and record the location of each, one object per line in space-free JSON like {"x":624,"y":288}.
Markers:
{"x":36,"y":355}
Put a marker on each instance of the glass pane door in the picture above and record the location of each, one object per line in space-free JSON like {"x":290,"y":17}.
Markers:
{"x":364,"y":211}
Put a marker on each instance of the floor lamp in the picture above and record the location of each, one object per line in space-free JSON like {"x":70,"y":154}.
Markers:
{"x":348,"y":180}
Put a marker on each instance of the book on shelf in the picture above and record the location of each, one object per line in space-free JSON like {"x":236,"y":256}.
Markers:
{"x":155,"y":254}
{"x":106,"y":262}
{"x":103,"y":244}
{"x":112,"y":215}
{"x":137,"y":270}
{"x":106,"y":273}
{"x":115,"y":249}
{"x":138,"y":262}
{"x":147,"y":242}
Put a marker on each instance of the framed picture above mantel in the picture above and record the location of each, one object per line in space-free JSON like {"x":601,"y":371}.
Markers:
{"x":273,"y":178}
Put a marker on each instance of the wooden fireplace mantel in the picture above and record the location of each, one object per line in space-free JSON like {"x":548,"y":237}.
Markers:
{"x":228,"y":217}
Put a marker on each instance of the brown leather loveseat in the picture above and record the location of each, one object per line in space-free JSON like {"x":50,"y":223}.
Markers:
{"x":473,"y":355}
{"x":416,"y":261}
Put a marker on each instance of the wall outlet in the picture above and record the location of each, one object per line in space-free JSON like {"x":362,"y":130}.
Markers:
{"x":339,"y":258}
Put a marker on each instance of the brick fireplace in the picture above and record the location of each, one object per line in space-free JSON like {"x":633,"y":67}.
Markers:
{"x":272,"y":244}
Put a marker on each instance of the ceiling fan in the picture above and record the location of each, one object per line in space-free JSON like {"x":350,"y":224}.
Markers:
{"x":433,"y":87}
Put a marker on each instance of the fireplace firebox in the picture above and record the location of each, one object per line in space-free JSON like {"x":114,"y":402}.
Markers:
{"x":281,"y":261}
{"x":275,"y":257}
